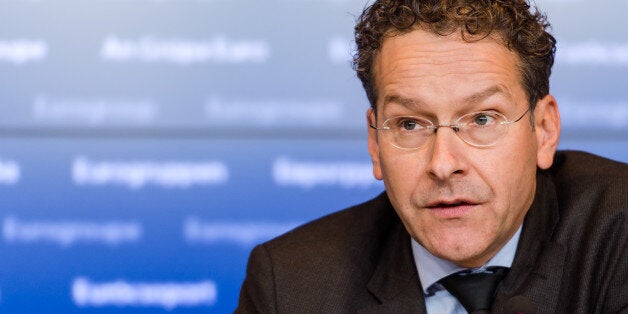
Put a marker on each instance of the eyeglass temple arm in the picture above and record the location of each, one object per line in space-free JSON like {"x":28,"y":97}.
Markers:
{"x":521,"y":117}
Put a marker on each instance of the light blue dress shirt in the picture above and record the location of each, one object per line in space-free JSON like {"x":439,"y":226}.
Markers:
{"x":432,"y":269}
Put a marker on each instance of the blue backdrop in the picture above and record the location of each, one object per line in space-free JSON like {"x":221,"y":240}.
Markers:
{"x":147,"y":145}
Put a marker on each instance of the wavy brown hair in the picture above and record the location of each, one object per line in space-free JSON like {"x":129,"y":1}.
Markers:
{"x":511,"y":21}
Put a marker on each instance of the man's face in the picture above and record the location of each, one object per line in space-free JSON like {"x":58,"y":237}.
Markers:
{"x":462,"y":203}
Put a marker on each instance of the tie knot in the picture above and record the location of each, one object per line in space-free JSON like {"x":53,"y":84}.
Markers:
{"x":475,"y":290}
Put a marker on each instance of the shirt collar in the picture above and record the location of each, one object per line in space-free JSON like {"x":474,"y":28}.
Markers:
{"x":432,"y":269}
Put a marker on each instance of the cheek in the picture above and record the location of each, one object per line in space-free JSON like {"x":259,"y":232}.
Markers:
{"x":402,"y":178}
{"x":401,"y":171}
{"x":511,"y":175}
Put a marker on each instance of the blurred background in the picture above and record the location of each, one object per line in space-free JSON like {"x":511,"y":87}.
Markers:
{"x":147,"y":145}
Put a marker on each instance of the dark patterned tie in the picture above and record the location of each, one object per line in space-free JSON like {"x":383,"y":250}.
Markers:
{"x":475,"y":291}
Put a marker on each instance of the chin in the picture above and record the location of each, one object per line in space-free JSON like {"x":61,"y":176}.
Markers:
{"x":468,"y":259}
{"x":459,"y":250}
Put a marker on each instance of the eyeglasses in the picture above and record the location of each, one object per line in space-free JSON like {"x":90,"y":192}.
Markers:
{"x":479,"y":129}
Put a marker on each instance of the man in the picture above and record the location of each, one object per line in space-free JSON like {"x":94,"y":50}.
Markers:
{"x":463,"y":132}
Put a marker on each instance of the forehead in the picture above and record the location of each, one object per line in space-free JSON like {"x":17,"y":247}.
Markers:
{"x":444,"y":69}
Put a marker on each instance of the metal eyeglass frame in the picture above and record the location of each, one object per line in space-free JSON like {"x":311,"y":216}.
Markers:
{"x":454,"y":126}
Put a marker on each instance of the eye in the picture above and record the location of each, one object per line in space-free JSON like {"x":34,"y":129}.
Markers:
{"x":409,"y":125}
{"x":483,"y":119}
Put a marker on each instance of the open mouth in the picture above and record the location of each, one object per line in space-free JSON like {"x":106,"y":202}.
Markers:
{"x":455,"y":209}
{"x":450,"y":205}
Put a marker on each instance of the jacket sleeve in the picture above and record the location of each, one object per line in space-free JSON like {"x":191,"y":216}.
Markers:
{"x":257,"y":294}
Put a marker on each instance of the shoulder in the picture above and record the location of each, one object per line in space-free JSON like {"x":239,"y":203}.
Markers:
{"x":336,"y":234}
{"x":322,"y":266}
{"x":592,"y":200}
{"x":574,"y":165}
{"x":586,"y":181}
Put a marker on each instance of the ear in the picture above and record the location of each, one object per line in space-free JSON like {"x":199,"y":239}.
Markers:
{"x":547,"y":129}
{"x":372,"y":142}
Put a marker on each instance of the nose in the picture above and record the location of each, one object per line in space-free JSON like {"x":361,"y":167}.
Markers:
{"x":447,"y":160}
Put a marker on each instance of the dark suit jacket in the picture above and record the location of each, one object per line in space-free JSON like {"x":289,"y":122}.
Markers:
{"x":571,"y":257}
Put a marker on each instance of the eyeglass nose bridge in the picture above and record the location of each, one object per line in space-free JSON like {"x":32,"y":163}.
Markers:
{"x":455,"y":127}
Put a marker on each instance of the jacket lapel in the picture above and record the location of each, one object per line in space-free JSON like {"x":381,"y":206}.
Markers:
{"x":533,"y":283}
{"x":395,"y":282}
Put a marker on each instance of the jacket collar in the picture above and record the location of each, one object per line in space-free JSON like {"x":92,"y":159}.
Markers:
{"x":533,"y":281}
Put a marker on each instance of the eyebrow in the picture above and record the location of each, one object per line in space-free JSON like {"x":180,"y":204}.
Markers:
{"x":472,"y":99}
{"x":406,"y":102}
{"x":478,"y":97}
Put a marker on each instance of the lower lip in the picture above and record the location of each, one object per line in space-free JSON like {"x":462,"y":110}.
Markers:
{"x":452,"y":211}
